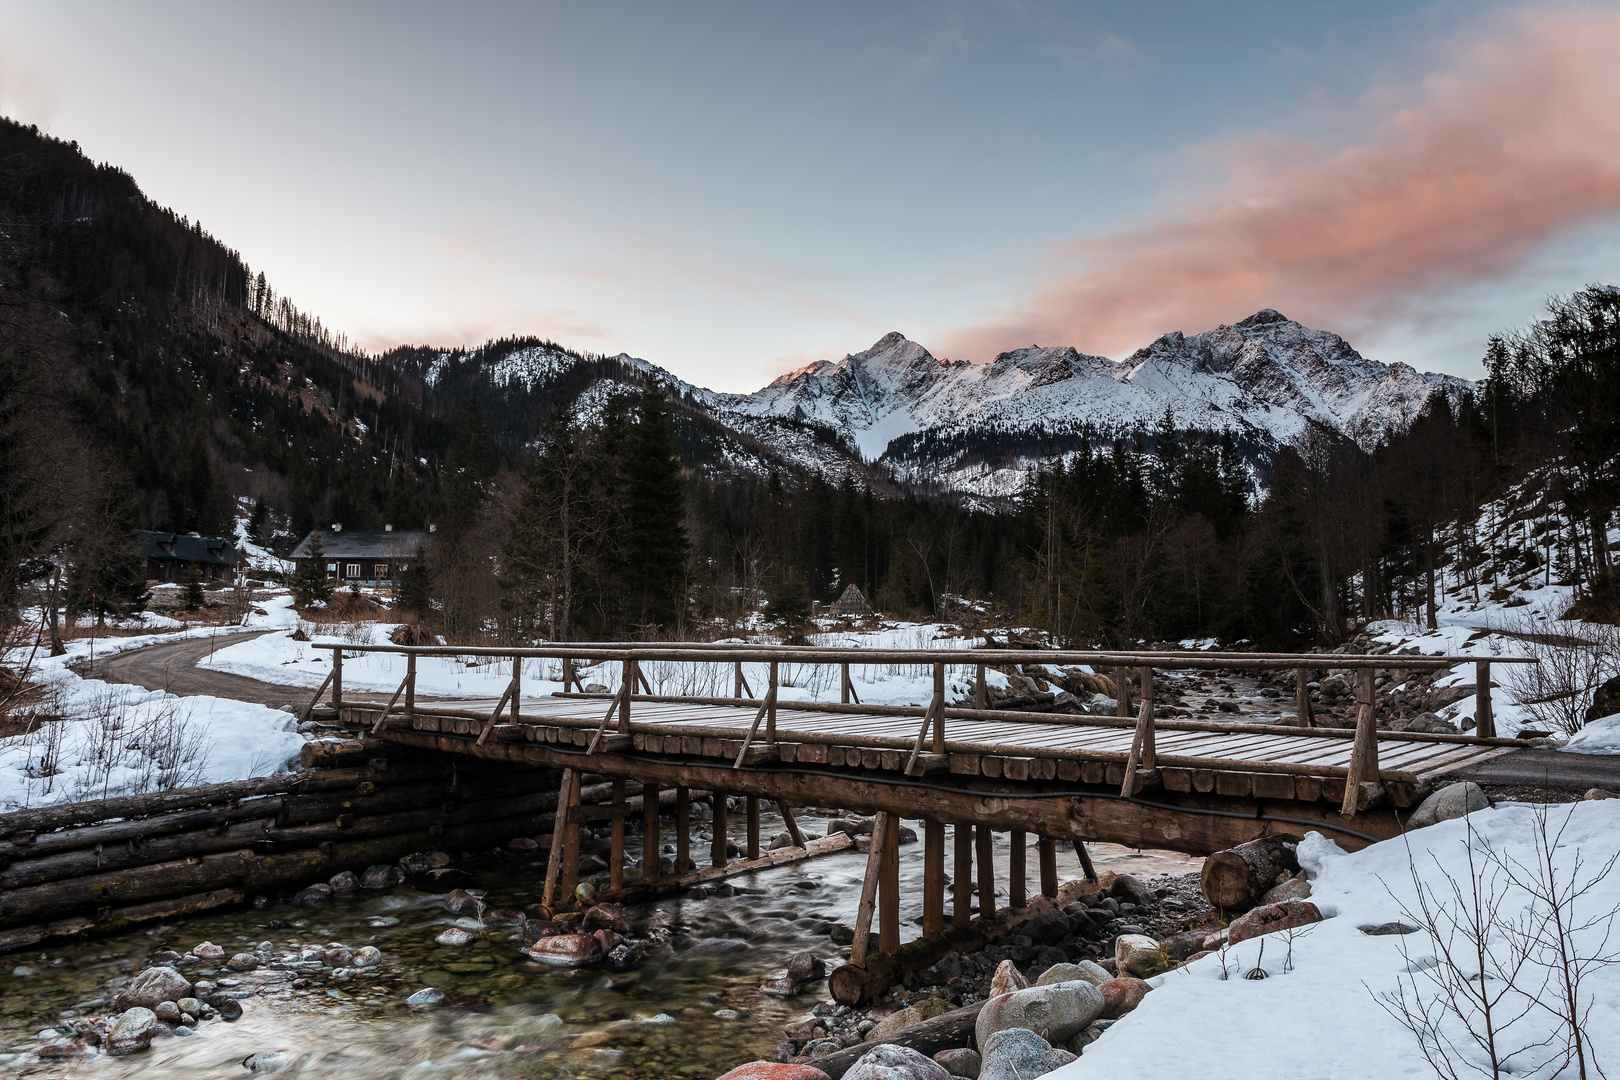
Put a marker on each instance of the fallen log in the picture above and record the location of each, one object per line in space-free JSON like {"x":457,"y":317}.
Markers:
{"x":856,"y":984}
{"x":118,"y":919}
{"x":946,"y":1031}
{"x":137,"y":883}
{"x":646,"y":892}
{"x":337,"y":753}
{"x":81,"y":813}
{"x":1235,"y":879}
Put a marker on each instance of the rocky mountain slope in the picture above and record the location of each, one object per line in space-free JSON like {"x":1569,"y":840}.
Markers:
{"x":954,"y":426}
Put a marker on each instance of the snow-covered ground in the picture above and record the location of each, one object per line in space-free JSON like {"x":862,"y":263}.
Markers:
{"x":1318,"y":1014}
{"x":125,"y":739}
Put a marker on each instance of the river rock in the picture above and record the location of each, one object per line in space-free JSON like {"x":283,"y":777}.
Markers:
{"x":132,"y":1031}
{"x":1137,"y":953}
{"x":228,"y":1008}
{"x":343,"y":882}
{"x":454,"y":936}
{"x":841,"y":934}
{"x":606,"y":917}
{"x":209,"y":951}
{"x":775,"y":1070}
{"x":336,"y":956}
{"x":314,"y":896}
{"x":378,"y":877}
{"x":622,"y":957}
{"x":522,"y":844}
{"x":461,"y":902}
{"x":431,"y":995}
{"x":1019,"y":1054}
{"x":416,"y":862}
{"x":900,"y":1019}
{"x":608,"y":938}
{"x":1272,"y":918}
{"x":780,"y":841}
{"x":781,"y":987}
{"x":151,"y":986}
{"x":243,"y":961}
{"x":806,"y":967}
{"x":960,"y":1062}
{"x":1292,"y":889}
{"x":265,"y":1061}
{"x":1129,"y":889}
{"x":566,"y":950}
{"x":168,"y":1012}
{"x":820,"y":1048}
{"x":1054,"y":1012}
{"x":189,"y":1005}
{"x":505,"y":916}
{"x":889,"y":1061}
{"x":1007,"y":979}
{"x":1122,"y":995}
{"x":1081,"y":971}
{"x":1450,"y":802}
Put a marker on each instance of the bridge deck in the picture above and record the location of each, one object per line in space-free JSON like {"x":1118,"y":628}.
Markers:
{"x":654,"y":724}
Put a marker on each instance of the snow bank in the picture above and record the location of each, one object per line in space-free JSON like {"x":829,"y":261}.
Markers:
{"x":1316,"y":1014}
{"x":1601,"y":736}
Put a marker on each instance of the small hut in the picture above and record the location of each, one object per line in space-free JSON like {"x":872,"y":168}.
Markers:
{"x":851,"y":605}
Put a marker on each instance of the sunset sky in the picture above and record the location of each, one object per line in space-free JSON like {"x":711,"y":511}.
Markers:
{"x":733,"y":190}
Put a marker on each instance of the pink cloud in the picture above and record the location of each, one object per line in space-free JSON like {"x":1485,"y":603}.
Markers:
{"x":1518,"y":140}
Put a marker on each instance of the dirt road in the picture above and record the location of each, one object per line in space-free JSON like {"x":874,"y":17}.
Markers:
{"x":173,"y":667}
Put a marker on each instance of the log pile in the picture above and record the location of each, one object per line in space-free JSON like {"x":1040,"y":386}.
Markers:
{"x":103,"y":865}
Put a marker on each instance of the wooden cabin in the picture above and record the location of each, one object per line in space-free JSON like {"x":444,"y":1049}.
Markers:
{"x":170,"y":556}
{"x":371,"y":558}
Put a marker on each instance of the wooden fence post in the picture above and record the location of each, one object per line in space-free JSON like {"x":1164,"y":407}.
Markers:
{"x":1484,"y":715}
{"x":1047,"y":848}
{"x":939,"y":708}
{"x":1302,"y":698}
{"x":1017,"y":872}
{"x":1364,"y":757}
{"x":410,"y":686}
{"x":889,"y":887}
{"x":933,"y":879}
{"x":843,"y":683}
{"x":962,"y":875}
{"x":631,"y":671}
{"x":337,"y":683}
{"x":983,"y":841}
{"x":1122,"y":692}
{"x":770,"y":706}
{"x":981,"y":690}
{"x":517,"y":685}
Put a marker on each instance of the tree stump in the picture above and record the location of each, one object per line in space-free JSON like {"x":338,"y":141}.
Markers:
{"x":1235,"y":879}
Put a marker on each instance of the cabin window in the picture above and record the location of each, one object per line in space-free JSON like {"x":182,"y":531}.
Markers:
{"x":331,"y":568}
{"x":352,"y":570}
{"x":382,"y":571}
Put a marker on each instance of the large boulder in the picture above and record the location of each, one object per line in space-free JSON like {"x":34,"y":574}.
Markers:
{"x":151,"y":986}
{"x":1083,"y":971}
{"x":775,"y":1070}
{"x":1054,"y":1012}
{"x":1272,"y":918}
{"x":566,"y":950}
{"x":960,"y":1062}
{"x":132,"y":1031}
{"x":1122,"y":995}
{"x":1129,"y":889}
{"x":1450,"y":802}
{"x":1292,"y":889}
{"x":1138,"y":954}
{"x":1007,"y":979}
{"x":1019,"y":1054}
{"x":900,"y":1019}
{"x":893,"y":1062}
{"x":606,"y":917}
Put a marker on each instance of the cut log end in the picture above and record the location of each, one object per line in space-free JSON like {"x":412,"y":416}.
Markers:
{"x":1235,"y":879}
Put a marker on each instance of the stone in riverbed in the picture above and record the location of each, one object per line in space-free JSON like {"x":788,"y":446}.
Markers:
{"x":189,"y":1005}
{"x":461,"y":902}
{"x":623,"y":957}
{"x":1129,"y":889}
{"x":314,"y":896}
{"x":1082,"y":971}
{"x":960,"y":1062}
{"x":428,"y":996}
{"x":775,"y":1070}
{"x":890,"y":1061}
{"x":132,"y":1031}
{"x":243,"y":961}
{"x":1122,"y":995}
{"x":265,"y":1061}
{"x":782,"y":988}
{"x":1137,"y":954}
{"x":925,"y":1009}
{"x":209,"y":951}
{"x":1054,"y":1012}
{"x":606,"y":917}
{"x":505,"y":916}
{"x":1019,"y":1054}
{"x":841,"y":934}
{"x":453,"y":936}
{"x":151,"y":986}
{"x":819,"y":1048}
{"x":806,"y":967}
{"x":1272,"y":918}
{"x":229,"y":1009}
{"x":1450,"y":802}
{"x":1007,"y":979}
{"x":566,"y":950}
{"x":343,"y":882}
{"x":378,"y":877}
{"x":168,"y":1012}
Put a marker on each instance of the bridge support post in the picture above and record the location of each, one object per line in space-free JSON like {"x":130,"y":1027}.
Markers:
{"x":1085,"y":860}
{"x":752,"y":803}
{"x":410,"y":687}
{"x":717,"y":846}
{"x":1364,"y":757}
{"x":770,"y":706}
{"x":1047,"y":848}
{"x":933,"y":879}
{"x":337,"y":683}
{"x":889,"y":887}
{"x":792,"y":826}
{"x":683,"y":830}
{"x":983,"y":841}
{"x":1144,"y":752}
{"x":517,"y":685}
{"x":631,"y":672}
{"x":869,"y":889}
{"x":740,"y":687}
{"x":1017,"y":873}
{"x":649,"y":833}
{"x":558,"y":839}
{"x":568,"y":674}
{"x":1122,"y":691}
{"x":1302,"y":698}
{"x":616,"y":845}
{"x":981,"y":691}
{"x":962,"y":875}
{"x":1484,"y":718}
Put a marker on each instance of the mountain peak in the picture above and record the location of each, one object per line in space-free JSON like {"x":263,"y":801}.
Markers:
{"x":1264,"y":317}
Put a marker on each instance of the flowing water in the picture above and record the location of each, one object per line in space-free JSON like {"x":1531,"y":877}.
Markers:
{"x":694,"y":1009}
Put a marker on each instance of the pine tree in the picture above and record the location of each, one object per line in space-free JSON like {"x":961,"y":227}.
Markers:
{"x":257,"y":522}
{"x":654,"y":535}
{"x":309,"y":583}
{"x":789,"y":607}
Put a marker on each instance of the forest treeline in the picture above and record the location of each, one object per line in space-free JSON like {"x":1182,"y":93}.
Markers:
{"x":148,"y":378}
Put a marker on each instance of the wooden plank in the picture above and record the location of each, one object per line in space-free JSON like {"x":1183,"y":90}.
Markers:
{"x":933,"y":879}
{"x":982,"y":842}
{"x":869,"y":889}
{"x":1233,"y":784}
{"x":1068,"y":771}
{"x":990,"y":765}
{"x":558,"y":839}
{"x":889,"y":886}
{"x":1272,"y":785}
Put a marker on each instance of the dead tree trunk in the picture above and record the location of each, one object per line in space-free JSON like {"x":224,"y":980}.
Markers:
{"x":1235,"y":879}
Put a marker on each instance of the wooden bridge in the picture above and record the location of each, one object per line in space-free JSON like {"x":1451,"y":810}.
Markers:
{"x":1135,"y":778}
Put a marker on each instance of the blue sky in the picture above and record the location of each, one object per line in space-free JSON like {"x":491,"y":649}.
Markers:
{"x":731,"y":190}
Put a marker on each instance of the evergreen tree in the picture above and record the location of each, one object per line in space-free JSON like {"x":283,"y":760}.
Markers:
{"x":654,"y":535}
{"x":309,"y":584}
{"x":192,"y":595}
{"x":413,"y":588}
{"x":789,"y":607}
{"x":258,"y":523}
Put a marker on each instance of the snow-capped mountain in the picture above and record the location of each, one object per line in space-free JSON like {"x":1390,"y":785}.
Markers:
{"x":975,"y":428}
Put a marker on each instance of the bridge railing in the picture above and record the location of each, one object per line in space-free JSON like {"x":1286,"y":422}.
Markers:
{"x":1126,"y":666}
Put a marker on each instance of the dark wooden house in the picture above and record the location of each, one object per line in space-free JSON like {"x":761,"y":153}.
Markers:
{"x":373,"y":558}
{"x":169,"y":556}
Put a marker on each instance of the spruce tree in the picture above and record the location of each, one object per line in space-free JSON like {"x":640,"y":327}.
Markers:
{"x":654,"y":534}
{"x":309,"y":583}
